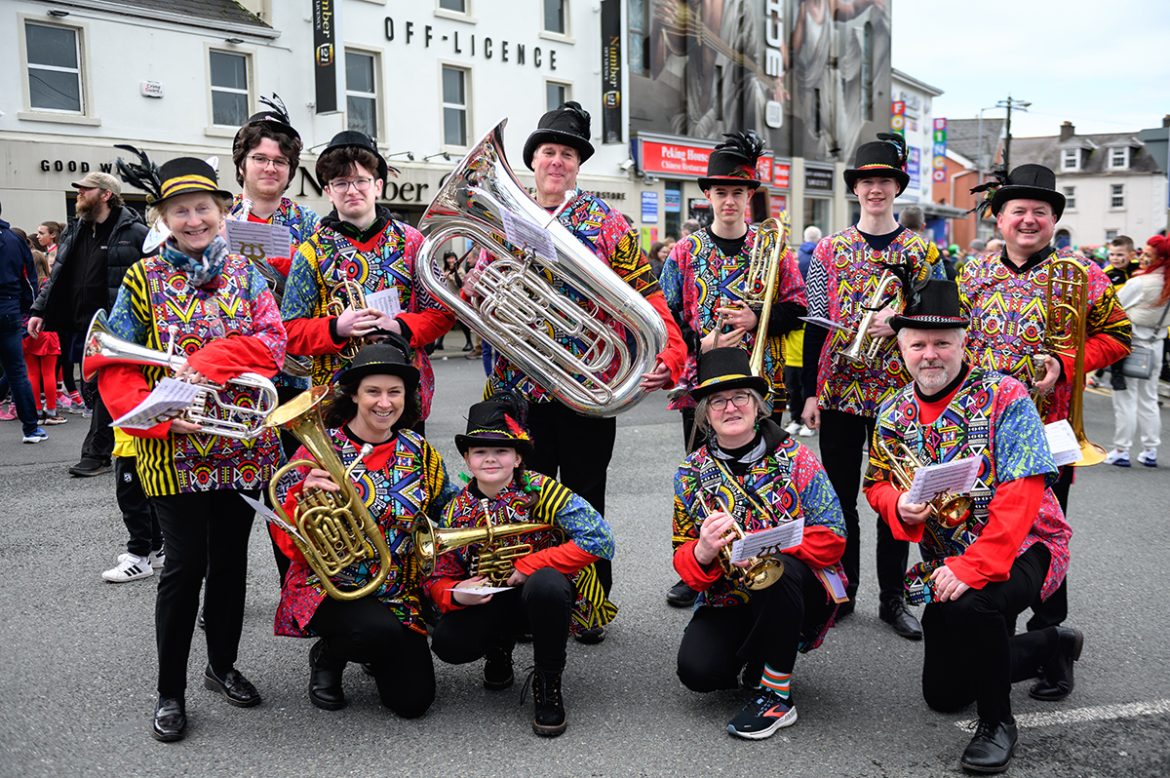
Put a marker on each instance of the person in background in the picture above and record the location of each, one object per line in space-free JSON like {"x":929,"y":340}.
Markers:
{"x":812,"y":236}
{"x":453,"y":272}
{"x":1122,"y":264}
{"x":17,"y":290}
{"x":659,"y":251}
{"x":793,"y":345}
{"x":913,"y":218}
{"x":41,"y":352}
{"x":48,"y":233}
{"x":688,"y":227}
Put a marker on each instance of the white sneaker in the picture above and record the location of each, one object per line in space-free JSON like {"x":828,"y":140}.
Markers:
{"x":129,"y":568}
{"x":805,"y":432}
{"x":1117,"y":457}
{"x":1149,"y":457}
{"x":792,"y":427}
{"x":157,"y":559}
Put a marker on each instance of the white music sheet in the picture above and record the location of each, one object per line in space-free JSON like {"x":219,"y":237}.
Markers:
{"x":768,"y":542}
{"x":167,"y":398}
{"x":258,"y":239}
{"x":956,"y":477}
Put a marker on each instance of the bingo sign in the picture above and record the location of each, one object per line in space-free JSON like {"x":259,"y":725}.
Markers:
{"x":898,"y":117}
{"x":939,"y":151}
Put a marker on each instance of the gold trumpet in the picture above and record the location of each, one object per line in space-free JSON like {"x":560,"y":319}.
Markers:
{"x":494,"y":561}
{"x":760,"y":573}
{"x":348,"y":294}
{"x":335,"y":528}
{"x":863,"y":350}
{"x":949,"y":510}
{"x":759,"y":283}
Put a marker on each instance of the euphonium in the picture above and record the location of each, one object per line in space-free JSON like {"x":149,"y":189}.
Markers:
{"x":516,"y":308}
{"x":335,"y":528}
{"x":494,"y":561}
{"x":240,"y":422}
{"x":759,"y":284}
{"x":863,"y":350}
{"x":949,"y":510}
{"x":347,"y":294}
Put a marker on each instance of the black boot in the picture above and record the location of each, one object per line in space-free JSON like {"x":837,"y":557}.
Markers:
{"x":548,"y":718}
{"x":1057,"y":682}
{"x":325,"y":679}
{"x":990,"y":751}
{"x":497,"y":668}
{"x":895,"y":613}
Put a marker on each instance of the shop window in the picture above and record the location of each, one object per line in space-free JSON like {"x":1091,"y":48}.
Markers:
{"x":361,"y":92}
{"x":230,"y":96}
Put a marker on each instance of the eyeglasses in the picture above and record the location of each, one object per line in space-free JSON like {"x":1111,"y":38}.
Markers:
{"x":262,"y":161}
{"x":739,"y":400}
{"x":342,"y":186}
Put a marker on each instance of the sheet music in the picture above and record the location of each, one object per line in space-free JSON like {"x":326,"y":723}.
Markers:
{"x":168,"y":397}
{"x":271,"y":516}
{"x":387,"y":301}
{"x":1063,"y":442}
{"x":482,"y":591}
{"x":257,"y":239}
{"x":820,"y":321}
{"x":957,"y":477}
{"x":523,"y":233}
{"x":768,"y":542}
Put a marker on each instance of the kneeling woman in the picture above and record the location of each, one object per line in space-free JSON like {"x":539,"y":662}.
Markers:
{"x":401,"y":479}
{"x":752,"y":473}
{"x":549,"y":564}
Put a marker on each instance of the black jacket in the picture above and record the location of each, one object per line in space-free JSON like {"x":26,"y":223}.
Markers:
{"x":18,"y":275}
{"x":125,"y":248}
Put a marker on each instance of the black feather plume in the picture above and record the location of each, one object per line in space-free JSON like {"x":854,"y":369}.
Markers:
{"x":989,"y":188}
{"x":574,"y":107}
{"x":144,"y":174}
{"x":747,"y":144}
{"x":911,"y":289}
{"x":514,"y":405}
{"x":898,"y":142}
{"x":278,"y":108}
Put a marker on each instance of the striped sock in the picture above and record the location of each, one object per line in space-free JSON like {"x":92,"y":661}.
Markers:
{"x":781,"y":683}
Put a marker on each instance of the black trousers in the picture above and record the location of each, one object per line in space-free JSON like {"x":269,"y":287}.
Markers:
{"x":720,"y":641}
{"x":543,"y":604}
{"x":970,"y":653}
{"x":205,"y":534}
{"x":575,"y":449}
{"x":1053,"y":611}
{"x":842,"y":438}
{"x":137,"y":512}
{"x":795,"y":391}
{"x":365,"y":630}
{"x":99,"y":441}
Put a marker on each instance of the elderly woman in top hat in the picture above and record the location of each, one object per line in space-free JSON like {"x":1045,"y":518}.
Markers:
{"x":753,"y":474}
{"x":402,"y":480}
{"x":214,"y":310}
{"x":551,"y":566}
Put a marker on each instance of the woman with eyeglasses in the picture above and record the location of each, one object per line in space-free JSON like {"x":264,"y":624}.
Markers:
{"x":753,"y":474}
{"x":359,"y":242}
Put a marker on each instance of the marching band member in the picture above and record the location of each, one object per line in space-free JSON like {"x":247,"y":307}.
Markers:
{"x":844,"y":276}
{"x":358,"y":242}
{"x":556,"y":589}
{"x":752,"y":473}
{"x":704,"y":281}
{"x":579,"y":447}
{"x":1005,"y":296}
{"x":402,"y":479}
{"x":217,"y":311}
{"x":1009,"y":548}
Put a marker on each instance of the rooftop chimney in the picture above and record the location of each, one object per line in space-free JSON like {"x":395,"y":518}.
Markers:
{"x":1067,"y":130}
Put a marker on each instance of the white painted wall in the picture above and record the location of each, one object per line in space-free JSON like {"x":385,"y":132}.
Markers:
{"x":1143,"y":215}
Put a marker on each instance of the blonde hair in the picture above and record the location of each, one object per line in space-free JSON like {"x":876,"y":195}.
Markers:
{"x":158,"y":210}
{"x":703,"y":407}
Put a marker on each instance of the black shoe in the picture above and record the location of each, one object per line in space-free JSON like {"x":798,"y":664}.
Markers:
{"x":325,"y":679}
{"x":845,"y":609}
{"x":548,"y":719}
{"x":990,"y":751}
{"x":89,"y":467}
{"x":591,"y":636}
{"x":897,"y":615}
{"x":497,"y":668}
{"x":466,"y":347}
{"x":170,"y":719}
{"x":681,"y":596}
{"x":234,"y":687}
{"x":1057,"y":681}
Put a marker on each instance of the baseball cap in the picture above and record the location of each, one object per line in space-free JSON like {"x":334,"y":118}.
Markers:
{"x":96,"y":180}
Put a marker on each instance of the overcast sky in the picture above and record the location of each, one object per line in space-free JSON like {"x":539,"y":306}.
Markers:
{"x":1104,"y":66}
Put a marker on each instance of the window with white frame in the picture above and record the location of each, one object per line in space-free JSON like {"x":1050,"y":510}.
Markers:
{"x":458,"y":6}
{"x":1070,"y":198}
{"x":1070,"y":159}
{"x":229,"y":88}
{"x":1119,"y":158}
{"x":455,"y":104}
{"x":361,"y":92}
{"x":554,"y":16}
{"x":54,"y":67}
{"x":556,"y":93}
{"x":1110,"y":235}
{"x":1117,"y":195}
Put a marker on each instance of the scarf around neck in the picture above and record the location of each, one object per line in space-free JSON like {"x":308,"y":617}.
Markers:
{"x":202,"y":271}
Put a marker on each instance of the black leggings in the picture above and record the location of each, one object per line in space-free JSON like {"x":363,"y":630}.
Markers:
{"x":543,"y":603}
{"x":365,"y":630}
{"x":721,"y":640}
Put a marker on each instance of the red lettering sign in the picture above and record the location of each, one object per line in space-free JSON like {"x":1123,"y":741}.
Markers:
{"x":764,"y":169}
{"x":671,"y":159}
{"x":780,"y":173}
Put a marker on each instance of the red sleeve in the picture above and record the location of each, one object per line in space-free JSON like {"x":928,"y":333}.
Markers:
{"x":439,"y":592}
{"x":283,"y":264}
{"x":1012,"y":512}
{"x":691,"y":572}
{"x":224,"y":359}
{"x":821,"y":547}
{"x":883,"y":498}
{"x":123,"y":387}
{"x":567,"y":558}
{"x":282,"y":539}
{"x":312,"y":337}
{"x":674,"y":356}
{"x":1101,"y":350}
{"x":428,"y":325}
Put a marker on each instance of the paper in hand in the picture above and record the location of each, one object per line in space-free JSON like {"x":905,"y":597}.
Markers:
{"x":168,"y":397}
{"x":481,"y":591}
{"x":820,"y":321}
{"x":271,"y":516}
{"x":387,"y":301}
{"x":257,"y":240}
{"x":524,"y":234}
{"x":768,"y":542}
{"x":956,"y":477}
{"x":1062,"y":441}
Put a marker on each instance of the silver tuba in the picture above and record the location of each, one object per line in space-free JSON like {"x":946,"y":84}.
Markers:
{"x":517,"y":310}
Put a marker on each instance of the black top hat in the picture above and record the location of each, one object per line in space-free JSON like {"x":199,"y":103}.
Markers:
{"x":355,"y":139}
{"x":733,"y":162}
{"x":390,"y":357}
{"x":726,"y":368}
{"x":275,"y":117}
{"x":568,"y":125}
{"x":497,"y":421}
{"x":1029,"y":182}
{"x":933,"y":306}
{"x":883,"y":158}
{"x":186,"y":175}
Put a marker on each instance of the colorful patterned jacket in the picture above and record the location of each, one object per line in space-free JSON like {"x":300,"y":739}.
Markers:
{"x":1008,"y":310}
{"x":401,"y":481}
{"x":698,"y":278}
{"x":989,"y":416}
{"x":577,"y":537}
{"x":229,"y":327}
{"x":842,"y":277}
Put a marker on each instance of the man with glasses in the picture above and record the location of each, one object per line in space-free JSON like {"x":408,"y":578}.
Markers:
{"x":359,"y":242}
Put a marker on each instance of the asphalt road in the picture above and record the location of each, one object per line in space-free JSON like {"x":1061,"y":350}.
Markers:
{"x":77,"y":688}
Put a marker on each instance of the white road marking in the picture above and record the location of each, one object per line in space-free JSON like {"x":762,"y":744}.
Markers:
{"x":1079,"y":715}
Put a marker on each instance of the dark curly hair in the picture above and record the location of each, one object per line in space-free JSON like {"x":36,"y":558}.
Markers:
{"x":339,"y":409}
{"x":249,"y":138}
{"x":341,"y":162}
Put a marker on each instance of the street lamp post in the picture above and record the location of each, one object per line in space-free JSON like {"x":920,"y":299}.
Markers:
{"x":1009,"y":104}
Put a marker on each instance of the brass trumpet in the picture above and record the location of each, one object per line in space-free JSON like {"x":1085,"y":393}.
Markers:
{"x":347,"y":294}
{"x":949,"y":510}
{"x":336,"y":530}
{"x":760,"y":573}
{"x":863,"y":350}
{"x":760,"y":281}
{"x":495,"y":562}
